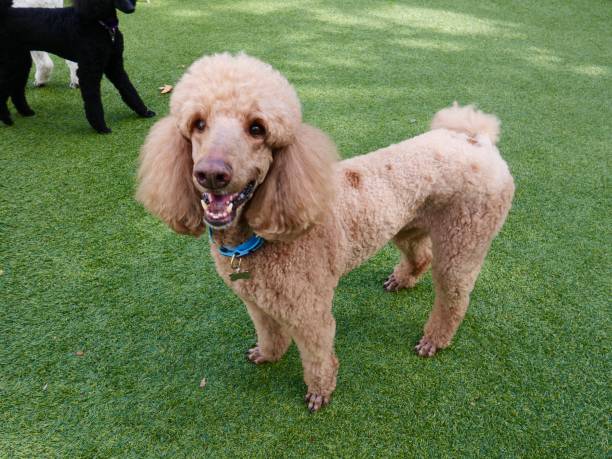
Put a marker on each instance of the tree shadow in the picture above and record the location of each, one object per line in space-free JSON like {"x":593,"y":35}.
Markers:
{"x":384,"y":59}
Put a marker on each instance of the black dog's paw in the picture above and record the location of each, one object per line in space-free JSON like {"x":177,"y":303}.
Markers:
{"x":28,"y":112}
{"x":7,"y":121}
{"x":104,"y":130}
{"x":148,"y":114}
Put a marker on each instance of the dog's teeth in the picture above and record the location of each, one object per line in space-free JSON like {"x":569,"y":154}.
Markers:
{"x":219,"y":215}
{"x":229,"y":207}
{"x":204,"y":205}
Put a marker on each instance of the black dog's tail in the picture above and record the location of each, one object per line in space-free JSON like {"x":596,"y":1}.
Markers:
{"x":5,"y":5}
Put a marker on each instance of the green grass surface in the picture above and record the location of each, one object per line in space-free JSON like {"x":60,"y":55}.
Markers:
{"x":84,"y":268}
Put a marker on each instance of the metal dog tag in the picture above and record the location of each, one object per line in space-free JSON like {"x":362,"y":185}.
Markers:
{"x":240,"y":275}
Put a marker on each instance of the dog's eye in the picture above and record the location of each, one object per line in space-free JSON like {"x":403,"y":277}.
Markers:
{"x":256,"y":129}
{"x":200,"y":125}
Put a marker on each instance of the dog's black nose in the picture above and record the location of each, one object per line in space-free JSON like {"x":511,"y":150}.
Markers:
{"x":212,"y":174}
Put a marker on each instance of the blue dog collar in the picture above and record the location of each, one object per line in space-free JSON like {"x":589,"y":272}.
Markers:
{"x":251,"y":245}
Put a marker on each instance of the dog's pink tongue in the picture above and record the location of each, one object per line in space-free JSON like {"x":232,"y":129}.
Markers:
{"x":219,"y":202}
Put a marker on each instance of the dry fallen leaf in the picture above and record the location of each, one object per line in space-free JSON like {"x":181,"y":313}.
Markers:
{"x":79,"y":353}
{"x":165,"y":89}
{"x":203,"y":383}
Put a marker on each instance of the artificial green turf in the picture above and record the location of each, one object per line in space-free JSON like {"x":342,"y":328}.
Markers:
{"x":84,"y":268}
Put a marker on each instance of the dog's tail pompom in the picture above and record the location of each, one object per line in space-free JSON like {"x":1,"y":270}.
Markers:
{"x":467,"y":120}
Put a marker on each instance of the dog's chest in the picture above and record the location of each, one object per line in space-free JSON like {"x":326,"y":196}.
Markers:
{"x":241,"y":275}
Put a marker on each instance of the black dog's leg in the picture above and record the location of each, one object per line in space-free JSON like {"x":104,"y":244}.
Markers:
{"x":5,"y":115}
{"x":117,"y":75}
{"x":20,"y":79}
{"x":90,"y":79}
{"x":5,"y":92}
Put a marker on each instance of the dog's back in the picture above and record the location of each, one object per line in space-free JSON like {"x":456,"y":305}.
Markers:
{"x":404,"y":185}
{"x":28,"y":28}
{"x":38,"y":3}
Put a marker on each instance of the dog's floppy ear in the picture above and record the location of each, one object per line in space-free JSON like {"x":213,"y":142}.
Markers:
{"x":297,"y":190}
{"x":164,"y":179}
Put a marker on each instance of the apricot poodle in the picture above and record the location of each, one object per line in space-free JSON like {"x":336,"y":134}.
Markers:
{"x":235,"y":156}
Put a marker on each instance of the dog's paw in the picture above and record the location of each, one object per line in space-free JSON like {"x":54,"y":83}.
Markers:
{"x":315,"y":401}
{"x":148,"y":114}
{"x":27,"y":112}
{"x":426,"y":347}
{"x":74,"y":85}
{"x":8,"y":121}
{"x":104,"y":130}
{"x":40,"y":84}
{"x":395,"y":283}
{"x":255,"y":356}
{"x":392,"y":284}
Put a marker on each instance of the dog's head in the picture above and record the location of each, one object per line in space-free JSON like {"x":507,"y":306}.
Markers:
{"x":103,"y":9}
{"x":126,"y":6}
{"x":234,"y":151}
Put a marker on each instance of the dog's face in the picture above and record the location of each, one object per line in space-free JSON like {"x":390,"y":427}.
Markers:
{"x":234,"y":152}
{"x":103,"y":9}
{"x":126,"y":6}
{"x":235,"y":119}
{"x":231,"y":158}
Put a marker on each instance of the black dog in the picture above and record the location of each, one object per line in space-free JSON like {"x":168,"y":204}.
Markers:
{"x":87,"y":34}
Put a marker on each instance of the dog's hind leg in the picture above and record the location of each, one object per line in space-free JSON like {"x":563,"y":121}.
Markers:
{"x":119,"y":78}
{"x":272,"y":339}
{"x":44,"y":68}
{"x":23,"y":64}
{"x":415,"y":247}
{"x":461,"y":236}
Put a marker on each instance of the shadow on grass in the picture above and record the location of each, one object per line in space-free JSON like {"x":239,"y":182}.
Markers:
{"x":402,"y":62}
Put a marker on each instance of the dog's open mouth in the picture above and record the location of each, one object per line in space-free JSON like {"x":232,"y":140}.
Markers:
{"x":220,"y":209}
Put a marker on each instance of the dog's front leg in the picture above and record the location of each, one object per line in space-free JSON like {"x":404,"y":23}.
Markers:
{"x":272,"y":338}
{"x":315,"y":340}
{"x":90,"y":78}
